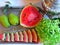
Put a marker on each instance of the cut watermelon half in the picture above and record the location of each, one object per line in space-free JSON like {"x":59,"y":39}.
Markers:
{"x":30,"y":16}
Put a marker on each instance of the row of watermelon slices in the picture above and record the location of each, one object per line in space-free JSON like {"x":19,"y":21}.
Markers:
{"x":22,"y":36}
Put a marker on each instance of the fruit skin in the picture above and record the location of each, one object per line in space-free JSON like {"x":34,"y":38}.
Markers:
{"x":21,"y":36}
{"x":34,"y":35}
{"x":30,"y":16}
{"x":4,"y":21}
{"x":13,"y":19}
{"x":25,"y":38}
{"x":29,"y":36}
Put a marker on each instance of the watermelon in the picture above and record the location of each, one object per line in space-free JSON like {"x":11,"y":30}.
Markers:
{"x":29,"y":36}
{"x":30,"y":16}
{"x":34,"y":36}
{"x":12,"y":37}
{"x":16,"y":36}
{"x":25,"y":38}
{"x":21,"y":37}
{"x":2,"y":36}
{"x":7,"y":37}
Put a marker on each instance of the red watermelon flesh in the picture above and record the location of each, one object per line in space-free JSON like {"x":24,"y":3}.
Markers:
{"x":30,"y":16}
{"x":21,"y":37}
{"x":25,"y":38}
{"x":29,"y":36}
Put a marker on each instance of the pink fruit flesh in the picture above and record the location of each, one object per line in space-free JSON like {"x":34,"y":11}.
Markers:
{"x":30,"y":16}
{"x":34,"y":36}
{"x":16,"y":37}
{"x":29,"y":36}
{"x":25,"y":39}
{"x":21,"y":37}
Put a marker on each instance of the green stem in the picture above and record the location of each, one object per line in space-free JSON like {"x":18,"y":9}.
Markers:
{"x":5,"y":10}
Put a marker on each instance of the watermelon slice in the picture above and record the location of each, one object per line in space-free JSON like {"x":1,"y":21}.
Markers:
{"x":12,"y":37}
{"x":30,"y":16}
{"x":29,"y":36}
{"x":34,"y":35}
{"x":7,"y":37}
{"x":21,"y":37}
{"x":25,"y":38}
{"x":16,"y":37}
{"x":2,"y":36}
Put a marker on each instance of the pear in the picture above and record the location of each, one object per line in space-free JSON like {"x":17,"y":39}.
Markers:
{"x":4,"y":21}
{"x":13,"y":19}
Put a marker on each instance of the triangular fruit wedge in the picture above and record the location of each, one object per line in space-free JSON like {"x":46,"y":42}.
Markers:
{"x":21,"y":36}
{"x":29,"y":36}
{"x":30,"y":16}
{"x":16,"y":36}
{"x":34,"y":35}
{"x":7,"y":37}
{"x":25,"y":38}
